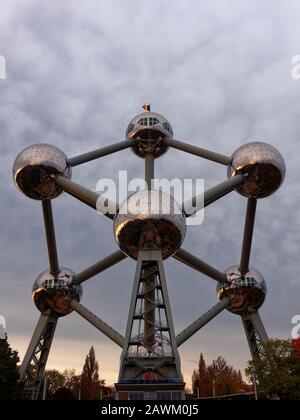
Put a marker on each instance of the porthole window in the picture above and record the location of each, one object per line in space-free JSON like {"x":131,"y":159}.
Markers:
{"x":129,"y":129}
{"x":168,"y":128}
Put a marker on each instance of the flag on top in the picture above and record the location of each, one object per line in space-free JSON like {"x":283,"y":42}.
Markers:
{"x":147,"y":107}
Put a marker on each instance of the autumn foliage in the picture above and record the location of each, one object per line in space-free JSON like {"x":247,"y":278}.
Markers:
{"x":217,"y":379}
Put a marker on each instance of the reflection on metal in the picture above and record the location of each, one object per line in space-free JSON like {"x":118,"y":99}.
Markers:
{"x":149,"y":129}
{"x":34,"y":362}
{"x":247,"y":293}
{"x":50,"y":292}
{"x":264,"y":166}
{"x":35,"y":167}
{"x":149,"y":220}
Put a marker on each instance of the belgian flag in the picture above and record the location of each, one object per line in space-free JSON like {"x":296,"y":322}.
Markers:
{"x":147,"y":107}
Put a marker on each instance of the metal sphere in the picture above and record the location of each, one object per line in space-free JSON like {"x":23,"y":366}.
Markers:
{"x":35,"y":167}
{"x":265,"y":168}
{"x":149,"y":129}
{"x":49,"y":292}
{"x":149,"y":220}
{"x":247,"y":293}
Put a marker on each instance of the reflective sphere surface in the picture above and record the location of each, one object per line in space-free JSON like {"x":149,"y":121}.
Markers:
{"x":149,"y":129}
{"x":247,"y":293}
{"x":49,"y":292}
{"x":149,"y":220}
{"x":263,"y":164}
{"x":34,"y":168}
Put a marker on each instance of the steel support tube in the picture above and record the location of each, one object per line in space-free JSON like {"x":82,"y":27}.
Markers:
{"x":248,"y":235}
{"x":197,"y":203}
{"x":199,"y":323}
{"x":198,"y":151}
{"x":50,"y":237}
{"x":97,"y":268}
{"x":199,"y":265}
{"x":39,"y":330}
{"x":97,"y":323}
{"x":149,"y":170}
{"x":98,"y":153}
{"x":88,"y":197}
{"x":259,"y":326}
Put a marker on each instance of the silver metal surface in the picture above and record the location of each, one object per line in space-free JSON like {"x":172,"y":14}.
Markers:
{"x":248,"y":235}
{"x":247,"y":292}
{"x":150,"y":129}
{"x":34,"y":362}
{"x":88,"y":197}
{"x":199,"y":265}
{"x":97,"y":322}
{"x":50,"y":237}
{"x":198,"y":151}
{"x":255,"y":333}
{"x":36,"y":166}
{"x":50,"y":292}
{"x":197,"y":203}
{"x":149,"y":220}
{"x":160,"y":356}
{"x":199,"y":323}
{"x":100,"y":266}
{"x":265,"y":168}
{"x":98,"y":153}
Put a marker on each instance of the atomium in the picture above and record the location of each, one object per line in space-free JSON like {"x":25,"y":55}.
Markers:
{"x":149,"y":220}
{"x":264,"y":166}
{"x":149,"y":226}
{"x":50,"y":292}
{"x":149,"y":129}
{"x":247,"y":293}
{"x":35,"y":168}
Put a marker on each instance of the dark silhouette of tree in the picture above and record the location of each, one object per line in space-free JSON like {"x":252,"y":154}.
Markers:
{"x":278,"y":369}
{"x":64,"y":394}
{"x":10,"y":388}
{"x":195,"y":382}
{"x":90,"y":384}
{"x":219,"y":378}
{"x":56,"y":380}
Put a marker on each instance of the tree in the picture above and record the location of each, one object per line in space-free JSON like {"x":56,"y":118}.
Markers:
{"x":56,"y":381}
{"x":10,"y":389}
{"x":278,"y":369}
{"x":195,"y":382}
{"x":64,"y":393}
{"x":90,"y":384}
{"x":219,"y":378}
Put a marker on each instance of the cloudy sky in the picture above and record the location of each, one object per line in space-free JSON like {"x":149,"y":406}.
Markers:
{"x":77,"y":72}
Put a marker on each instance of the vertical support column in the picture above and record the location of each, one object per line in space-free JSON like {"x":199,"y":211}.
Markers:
{"x":255,"y":333}
{"x":150,"y":360}
{"x":149,"y":306}
{"x":149,"y":170}
{"x":35,"y":359}
{"x":149,"y":281}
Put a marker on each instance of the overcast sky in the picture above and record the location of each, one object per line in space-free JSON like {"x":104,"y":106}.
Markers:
{"x":77,"y":72}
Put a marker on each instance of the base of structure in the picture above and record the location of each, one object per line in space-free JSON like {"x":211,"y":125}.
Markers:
{"x":152,"y":390}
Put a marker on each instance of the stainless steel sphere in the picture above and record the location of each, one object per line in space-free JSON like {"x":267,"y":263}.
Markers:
{"x":263,"y":164}
{"x":149,"y":220}
{"x":34,"y":168}
{"x":149,"y":129}
{"x":247,"y":293}
{"x":49,"y":292}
